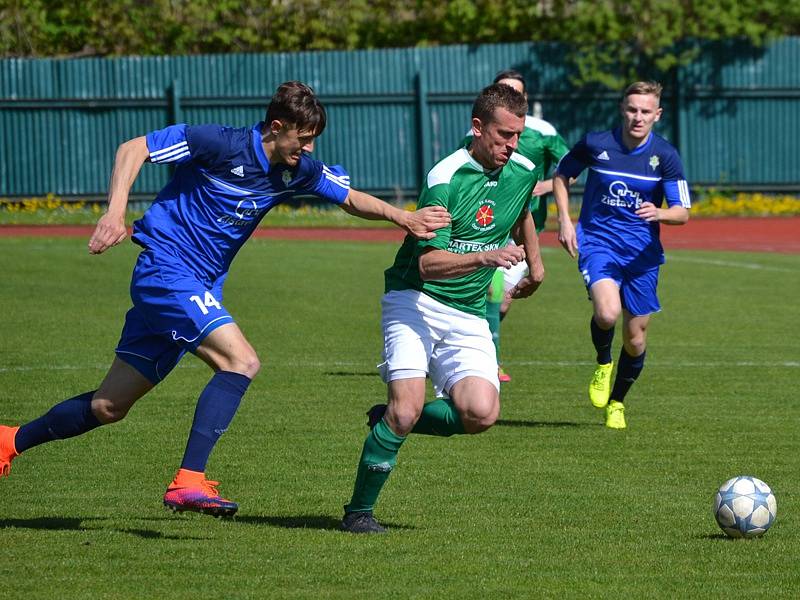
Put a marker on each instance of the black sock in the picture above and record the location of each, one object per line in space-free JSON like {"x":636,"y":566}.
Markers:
{"x":65,"y":420}
{"x":602,"y":338}
{"x":628,"y":370}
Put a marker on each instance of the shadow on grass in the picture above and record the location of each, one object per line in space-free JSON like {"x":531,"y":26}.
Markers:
{"x":149,"y":534}
{"x":51,"y":523}
{"x":516,"y":423}
{"x":718,"y":536}
{"x":77,"y":524}
{"x":352,"y":373}
{"x":291,"y":522}
{"x":324,"y":522}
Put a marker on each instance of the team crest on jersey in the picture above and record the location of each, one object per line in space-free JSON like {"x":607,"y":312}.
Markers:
{"x":484,"y":218}
{"x":654,"y":161}
{"x":287,"y":177}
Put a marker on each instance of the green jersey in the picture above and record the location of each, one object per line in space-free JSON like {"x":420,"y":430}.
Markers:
{"x":483,"y":205}
{"x":541,"y":144}
{"x":544,"y":147}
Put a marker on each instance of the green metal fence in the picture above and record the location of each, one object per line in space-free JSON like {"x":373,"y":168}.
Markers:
{"x":734,"y":113}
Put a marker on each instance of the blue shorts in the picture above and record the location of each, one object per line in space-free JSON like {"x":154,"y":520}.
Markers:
{"x":637,"y":288}
{"x":173,"y":311}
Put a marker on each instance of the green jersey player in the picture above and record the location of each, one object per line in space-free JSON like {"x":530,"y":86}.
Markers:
{"x":433,"y":312}
{"x":541,"y":144}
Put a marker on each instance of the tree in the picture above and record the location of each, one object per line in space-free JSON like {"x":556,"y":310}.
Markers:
{"x":611,"y":41}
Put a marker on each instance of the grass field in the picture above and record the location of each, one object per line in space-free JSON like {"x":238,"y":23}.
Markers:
{"x":548,"y":503}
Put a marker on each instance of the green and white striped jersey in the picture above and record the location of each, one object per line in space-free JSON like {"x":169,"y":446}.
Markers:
{"x":484,"y":205}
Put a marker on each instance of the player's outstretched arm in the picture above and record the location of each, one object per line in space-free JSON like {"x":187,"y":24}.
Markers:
{"x":545,"y":186}
{"x":566,"y":230}
{"x":437,"y":265}
{"x":110,"y":229}
{"x":421,"y":223}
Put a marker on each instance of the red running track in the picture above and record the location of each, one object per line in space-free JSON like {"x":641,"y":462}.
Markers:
{"x":759,"y":234}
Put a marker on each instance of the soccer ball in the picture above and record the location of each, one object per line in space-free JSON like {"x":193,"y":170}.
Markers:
{"x":745,"y":507}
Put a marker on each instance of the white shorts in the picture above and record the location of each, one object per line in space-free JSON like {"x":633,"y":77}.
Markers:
{"x":422,"y":336}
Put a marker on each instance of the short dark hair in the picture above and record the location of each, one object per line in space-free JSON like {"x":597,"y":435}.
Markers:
{"x":295,"y":103}
{"x":497,"y":96}
{"x":511,"y":74}
{"x":643,"y":88}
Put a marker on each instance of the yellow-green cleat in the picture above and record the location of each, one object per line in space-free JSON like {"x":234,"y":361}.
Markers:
{"x":615,"y":415}
{"x":600,"y":386}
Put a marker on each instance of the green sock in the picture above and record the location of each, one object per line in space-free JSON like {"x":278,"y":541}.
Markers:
{"x":493,"y":318}
{"x":440,"y":418}
{"x":378,"y":458}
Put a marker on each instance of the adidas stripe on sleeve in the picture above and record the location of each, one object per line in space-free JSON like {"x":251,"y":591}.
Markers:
{"x":677,"y":192}
{"x":676,"y":188}
{"x":333,"y":184}
{"x":168,"y":145}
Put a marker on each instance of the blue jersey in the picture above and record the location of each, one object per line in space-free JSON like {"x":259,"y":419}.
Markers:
{"x":619,"y":180}
{"x":221,"y":189}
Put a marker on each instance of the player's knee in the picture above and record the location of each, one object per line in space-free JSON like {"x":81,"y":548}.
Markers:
{"x":247,"y":364}
{"x":481,"y":417}
{"x":106,"y":411}
{"x":479,"y":425}
{"x":401,"y":417}
{"x":635,"y":346}
{"x":253,"y":366}
{"x":606,"y":317}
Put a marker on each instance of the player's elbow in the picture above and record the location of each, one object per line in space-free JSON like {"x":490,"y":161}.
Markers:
{"x":347,"y":205}
{"x":423,"y":266}
{"x":134,"y":147}
{"x":682,"y":217}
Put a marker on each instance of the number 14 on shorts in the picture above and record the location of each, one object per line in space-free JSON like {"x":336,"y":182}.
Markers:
{"x":207,"y":301}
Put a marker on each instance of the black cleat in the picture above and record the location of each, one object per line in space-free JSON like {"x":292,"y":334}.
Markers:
{"x":361,"y":522}
{"x":375,"y":414}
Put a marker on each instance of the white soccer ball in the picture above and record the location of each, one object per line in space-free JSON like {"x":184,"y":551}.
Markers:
{"x":745,"y":507}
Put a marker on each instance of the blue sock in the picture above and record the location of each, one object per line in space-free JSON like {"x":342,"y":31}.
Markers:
{"x":65,"y":420}
{"x":215,"y":409}
{"x":628,"y":371}
{"x":602,"y":338}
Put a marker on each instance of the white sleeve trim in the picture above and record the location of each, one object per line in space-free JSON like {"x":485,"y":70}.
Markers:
{"x":524,"y":161}
{"x":683,"y":192}
{"x":171,"y":153}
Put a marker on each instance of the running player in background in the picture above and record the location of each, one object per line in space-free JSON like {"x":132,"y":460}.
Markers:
{"x":226,"y":180}
{"x":433,"y":312}
{"x":541,"y":144}
{"x":632,"y":173}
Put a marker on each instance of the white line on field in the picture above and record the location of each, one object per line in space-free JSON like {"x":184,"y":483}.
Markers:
{"x":715,"y":365}
{"x":731,"y":263}
{"x":789,"y":364}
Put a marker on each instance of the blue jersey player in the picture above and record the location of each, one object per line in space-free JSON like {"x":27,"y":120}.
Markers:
{"x":635,"y":182}
{"x":225,"y":181}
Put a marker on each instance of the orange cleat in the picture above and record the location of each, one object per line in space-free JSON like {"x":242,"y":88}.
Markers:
{"x":191,"y":491}
{"x":503,"y":376}
{"x":8,"y":451}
